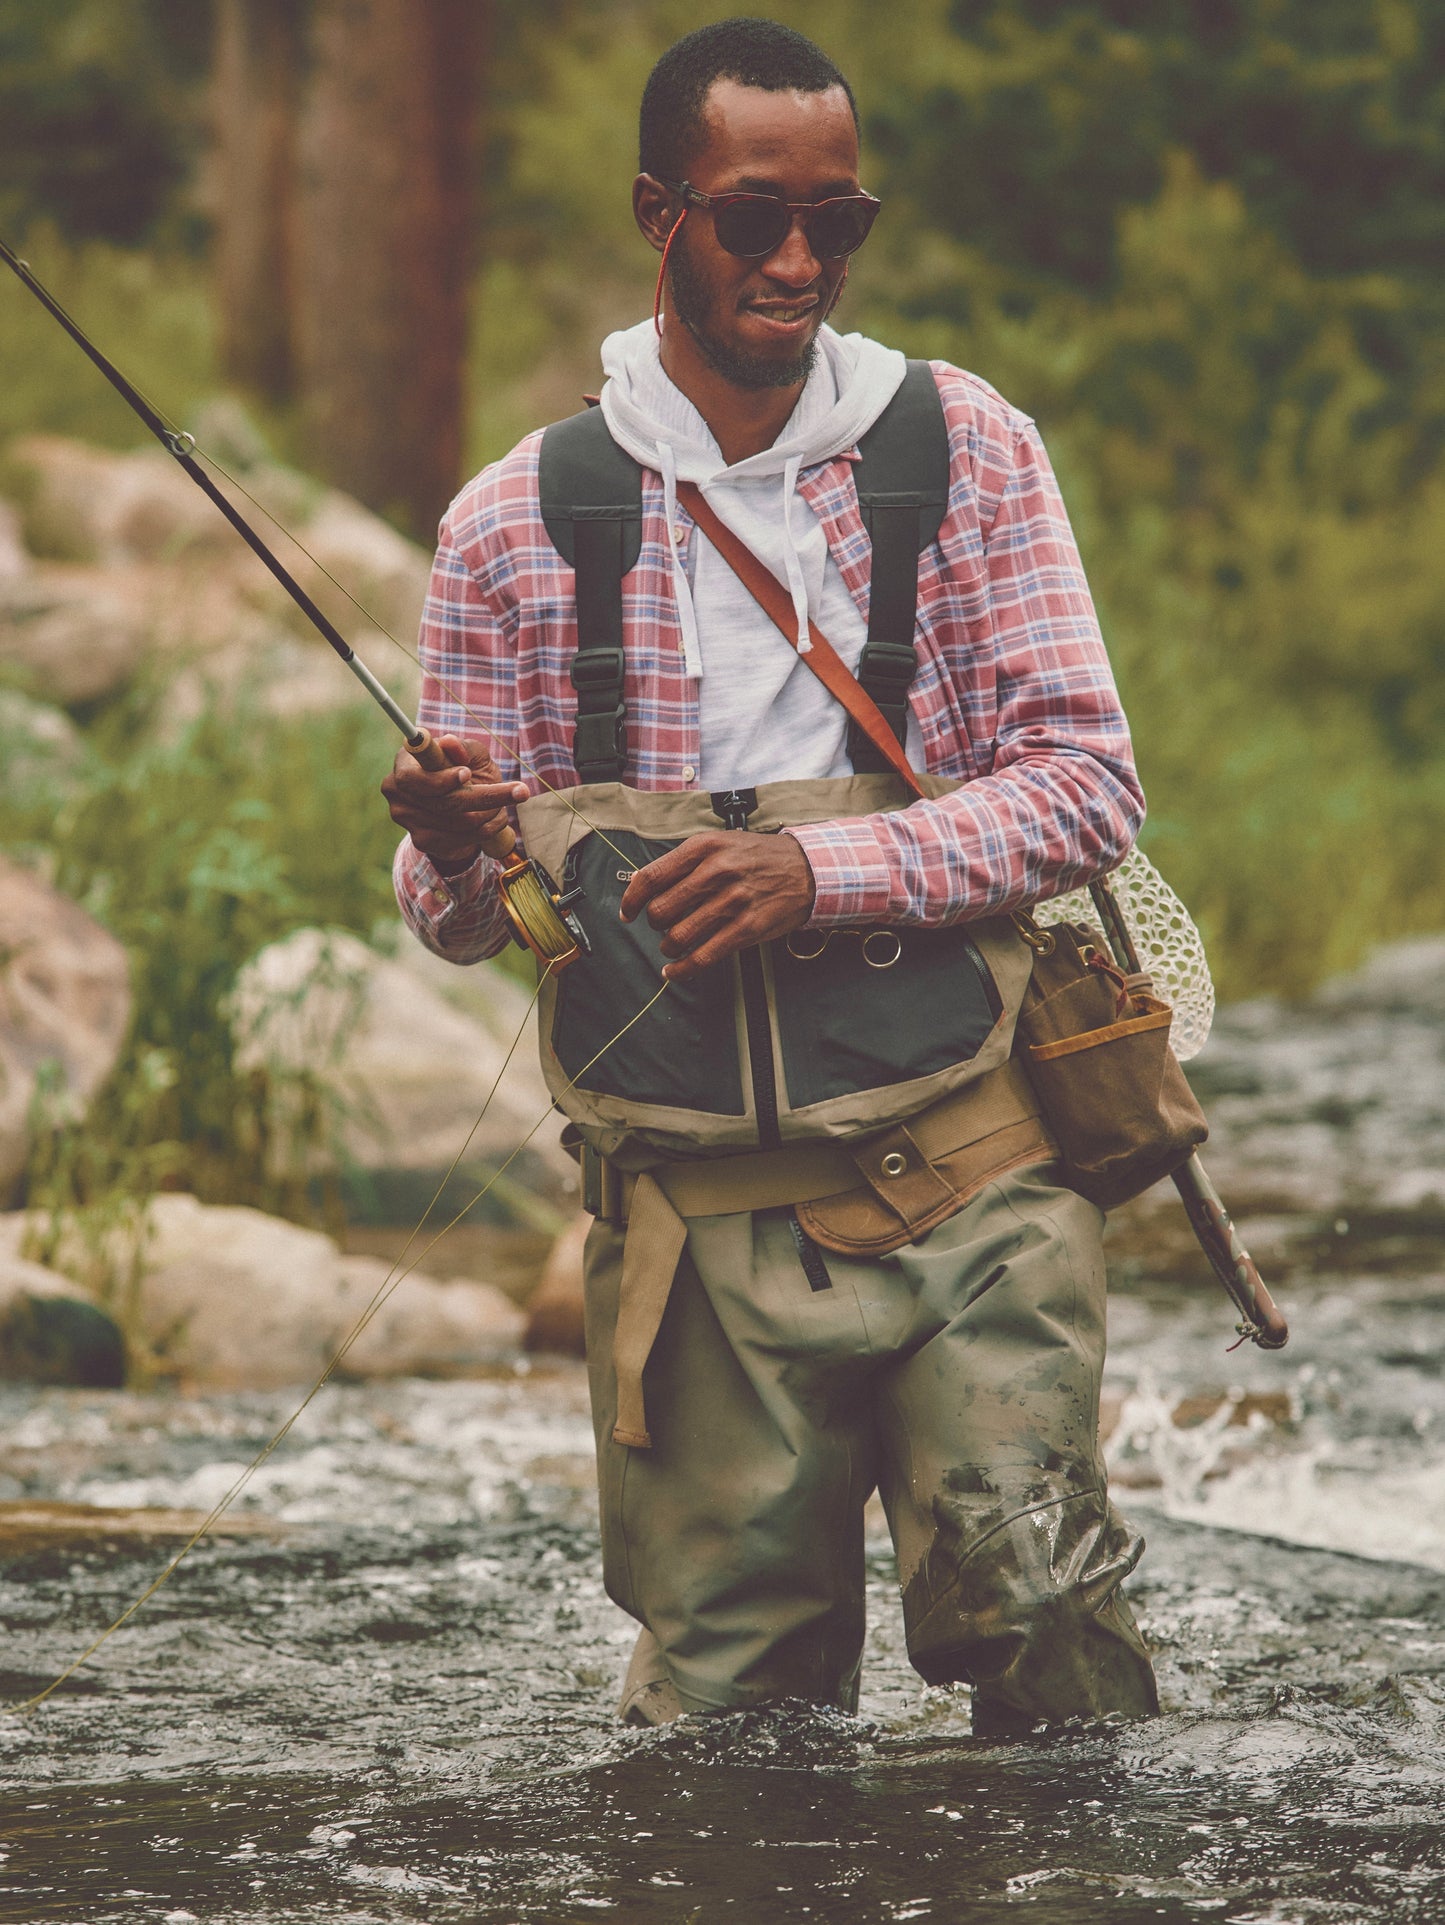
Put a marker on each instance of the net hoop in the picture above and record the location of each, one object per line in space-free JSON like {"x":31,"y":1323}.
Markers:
{"x":1169,"y":945}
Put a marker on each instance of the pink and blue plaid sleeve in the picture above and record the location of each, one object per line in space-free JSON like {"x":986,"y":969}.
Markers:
{"x":1059,"y":801}
{"x":466,"y":691}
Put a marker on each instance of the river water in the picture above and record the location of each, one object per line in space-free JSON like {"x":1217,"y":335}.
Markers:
{"x":386,"y":1694}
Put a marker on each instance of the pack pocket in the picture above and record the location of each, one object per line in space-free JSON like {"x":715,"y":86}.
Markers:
{"x":683,"y":1054}
{"x":1106,"y":1079}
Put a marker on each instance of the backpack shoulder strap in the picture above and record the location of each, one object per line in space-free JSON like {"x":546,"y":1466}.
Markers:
{"x":902,"y":481}
{"x":590,"y":494}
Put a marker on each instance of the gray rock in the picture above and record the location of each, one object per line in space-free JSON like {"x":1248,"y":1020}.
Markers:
{"x":14,"y":562}
{"x":68,"y":634}
{"x":64,"y":999}
{"x":412,"y":1073}
{"x":52,"y":1333}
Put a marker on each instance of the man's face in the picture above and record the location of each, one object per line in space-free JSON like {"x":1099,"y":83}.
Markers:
{"x":757,"y":321}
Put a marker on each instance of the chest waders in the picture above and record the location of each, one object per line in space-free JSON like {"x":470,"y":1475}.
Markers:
{"x":781,"y":1124}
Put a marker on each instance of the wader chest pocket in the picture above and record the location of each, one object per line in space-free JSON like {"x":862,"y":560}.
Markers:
{"x":846,"y":1023}
{"x":683,"y":1054}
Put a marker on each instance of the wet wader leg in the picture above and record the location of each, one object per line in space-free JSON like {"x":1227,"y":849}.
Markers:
{"x":737,"y":1539}
{"x":1009,"y":1552}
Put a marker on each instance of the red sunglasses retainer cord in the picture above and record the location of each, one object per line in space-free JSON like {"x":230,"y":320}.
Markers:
{"x":662,"y":272}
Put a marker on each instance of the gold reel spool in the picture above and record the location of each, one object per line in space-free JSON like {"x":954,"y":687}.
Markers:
{"x":536,"y":909}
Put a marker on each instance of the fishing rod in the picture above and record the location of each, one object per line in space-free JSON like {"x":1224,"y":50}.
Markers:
{"x":1261,"y":1320}
{"x":543,"y":918}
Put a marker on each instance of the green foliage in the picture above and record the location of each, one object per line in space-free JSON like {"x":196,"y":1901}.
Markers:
{"x":196,"y":849}
{"x":150,"y":313}
{"x":99,"y":119}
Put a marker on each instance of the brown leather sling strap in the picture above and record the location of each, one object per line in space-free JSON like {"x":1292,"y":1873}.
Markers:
{"x":775,"y":601}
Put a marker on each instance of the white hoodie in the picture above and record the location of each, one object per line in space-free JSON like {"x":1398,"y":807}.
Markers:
{"x":763,"y":714}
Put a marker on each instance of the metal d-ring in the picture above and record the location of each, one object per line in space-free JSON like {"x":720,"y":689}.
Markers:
{"x":807,"y":955}
{"x":874,"y":957}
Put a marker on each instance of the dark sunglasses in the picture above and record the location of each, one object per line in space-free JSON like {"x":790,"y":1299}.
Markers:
{"x":753,"y":225}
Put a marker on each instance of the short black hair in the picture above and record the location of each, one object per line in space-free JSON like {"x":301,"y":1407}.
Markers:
{"x":755,"y":53}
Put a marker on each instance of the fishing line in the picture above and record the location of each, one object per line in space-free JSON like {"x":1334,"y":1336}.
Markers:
{"x":390,"y":1284}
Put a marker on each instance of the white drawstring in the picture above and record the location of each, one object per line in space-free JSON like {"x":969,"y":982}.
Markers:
{"x":793,"y":559}
{"x":686,"y":614}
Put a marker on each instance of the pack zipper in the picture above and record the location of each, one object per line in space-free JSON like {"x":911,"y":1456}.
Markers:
{"x":732,"y":807}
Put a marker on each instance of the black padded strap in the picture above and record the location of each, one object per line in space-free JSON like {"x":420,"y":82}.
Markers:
{"x":590,"y":494}
{"x":902,"y":480}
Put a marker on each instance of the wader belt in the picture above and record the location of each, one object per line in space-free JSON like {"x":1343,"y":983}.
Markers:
{"x":864,"y":1197}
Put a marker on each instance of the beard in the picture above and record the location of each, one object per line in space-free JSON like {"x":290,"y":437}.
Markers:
{"x":743,"y":370}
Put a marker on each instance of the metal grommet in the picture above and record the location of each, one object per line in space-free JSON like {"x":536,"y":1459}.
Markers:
{"x":875,"y":957}
{"x":807,"y":955}
{"x":894,"y":1164}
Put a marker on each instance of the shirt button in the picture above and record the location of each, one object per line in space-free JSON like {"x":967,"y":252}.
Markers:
{"x":679,"y":533}
{"x":442,"y":897}
{"x":689,"y":774}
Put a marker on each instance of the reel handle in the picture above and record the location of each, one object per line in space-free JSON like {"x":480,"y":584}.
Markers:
{"x":429,"y":752}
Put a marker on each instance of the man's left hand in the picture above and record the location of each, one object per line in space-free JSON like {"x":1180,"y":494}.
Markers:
{"x":718,"y":893}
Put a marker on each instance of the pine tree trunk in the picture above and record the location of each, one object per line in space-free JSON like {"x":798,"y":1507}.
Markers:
{"x":382,"y":266}
{"x":258,"y":63}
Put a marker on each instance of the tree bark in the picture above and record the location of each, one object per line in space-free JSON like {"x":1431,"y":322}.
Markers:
{"x":386,"y":166}
{"x":258,"y":61}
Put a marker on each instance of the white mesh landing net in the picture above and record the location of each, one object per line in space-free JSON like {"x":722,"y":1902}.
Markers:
{"x":1169,"y":946}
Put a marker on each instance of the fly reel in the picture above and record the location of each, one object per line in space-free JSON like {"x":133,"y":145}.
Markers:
{"x":541,"y":916}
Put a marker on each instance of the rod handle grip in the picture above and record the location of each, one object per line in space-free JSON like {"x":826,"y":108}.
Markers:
{"x":429,"y":752}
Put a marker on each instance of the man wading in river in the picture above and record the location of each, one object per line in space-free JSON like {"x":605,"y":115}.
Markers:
{"x":831,"y":1252}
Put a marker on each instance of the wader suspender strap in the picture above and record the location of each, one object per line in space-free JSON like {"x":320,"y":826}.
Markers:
{"x":902,"y":481}
{"x":591,"y":499}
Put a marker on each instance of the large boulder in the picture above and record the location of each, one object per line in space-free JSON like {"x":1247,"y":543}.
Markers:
{"x":68,"y":633}
{"x":64,"y":1000}
{"x":230,"y":1297}
{"x":139,"y":564}
{"x":413,"y":1073}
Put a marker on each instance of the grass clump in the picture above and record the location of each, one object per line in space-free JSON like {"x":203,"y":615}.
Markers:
{"x":197,"y":848}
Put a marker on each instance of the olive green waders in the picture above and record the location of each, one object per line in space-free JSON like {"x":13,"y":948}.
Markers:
{"x":958,"y":1376}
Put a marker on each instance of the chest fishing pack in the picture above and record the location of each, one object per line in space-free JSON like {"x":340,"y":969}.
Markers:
{"x":843,"y":1034}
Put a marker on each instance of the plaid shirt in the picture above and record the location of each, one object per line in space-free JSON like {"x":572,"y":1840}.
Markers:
{"x":1013,"y":695}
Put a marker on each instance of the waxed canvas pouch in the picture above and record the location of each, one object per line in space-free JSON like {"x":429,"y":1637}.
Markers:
{"x":1095,"y":1045}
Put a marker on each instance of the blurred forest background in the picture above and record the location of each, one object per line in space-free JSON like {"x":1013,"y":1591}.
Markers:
{"x":1201,"y":241}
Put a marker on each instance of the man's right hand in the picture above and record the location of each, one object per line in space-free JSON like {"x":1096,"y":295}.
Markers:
{"x":450,"y":813}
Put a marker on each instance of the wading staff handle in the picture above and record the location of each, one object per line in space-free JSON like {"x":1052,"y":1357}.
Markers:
{"x":431,"y":755}
{"x":1262,"y":1320}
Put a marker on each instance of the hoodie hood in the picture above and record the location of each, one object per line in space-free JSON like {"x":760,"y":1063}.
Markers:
{"x":852,"y":382}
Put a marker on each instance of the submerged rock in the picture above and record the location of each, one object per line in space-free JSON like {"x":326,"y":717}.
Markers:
{"x":51,"y":1332}
{"x":64,"y":1001}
